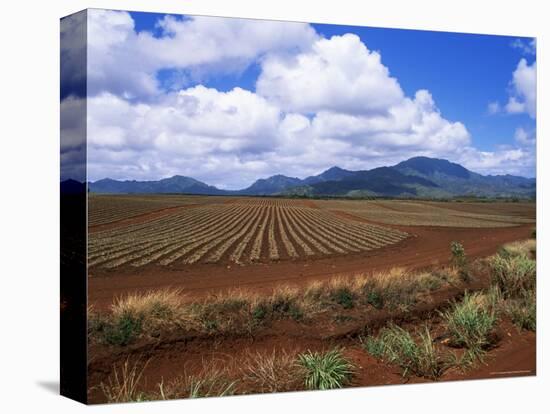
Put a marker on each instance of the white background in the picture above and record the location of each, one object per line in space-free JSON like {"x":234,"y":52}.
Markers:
{"x":29,"y":236}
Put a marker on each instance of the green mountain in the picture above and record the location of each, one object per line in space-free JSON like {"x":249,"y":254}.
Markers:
{"x":272,"y":185}
{"x":415,"y":177}
{"x":175,"y":184}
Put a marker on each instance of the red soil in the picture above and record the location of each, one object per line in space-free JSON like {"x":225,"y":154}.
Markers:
{"x":514,"y":354}
{"x":140,"y":218}
{"x":427,"y":246}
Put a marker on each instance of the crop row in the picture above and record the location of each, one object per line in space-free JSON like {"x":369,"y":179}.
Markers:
{"x":239,"y":233}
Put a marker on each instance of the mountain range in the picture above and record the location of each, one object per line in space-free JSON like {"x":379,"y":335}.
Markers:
{"x":416,"y":177}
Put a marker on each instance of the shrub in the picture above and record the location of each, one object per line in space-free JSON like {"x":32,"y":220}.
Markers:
{"x":458,"y":259}
{"x":470,"y":322}
{"x":458,"y":254}
{"x":375,"y":299}
{"x":259,"y":312}
{"x":344,"y":297}
{"x":397,"y":346}
{"x":323,"y":371}
{"x":123,"y":330}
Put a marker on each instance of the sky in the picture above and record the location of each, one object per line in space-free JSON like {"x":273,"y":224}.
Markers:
{"x":228,"y":101}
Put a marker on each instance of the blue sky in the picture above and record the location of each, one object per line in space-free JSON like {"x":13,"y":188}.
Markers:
{"x":475,"y":105}
{"x":464,"y":72}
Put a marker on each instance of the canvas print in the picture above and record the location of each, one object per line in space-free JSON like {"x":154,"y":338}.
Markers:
{"x":253,"y":206}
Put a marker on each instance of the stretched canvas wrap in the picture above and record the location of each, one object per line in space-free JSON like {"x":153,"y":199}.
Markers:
{"x":253,"y":206}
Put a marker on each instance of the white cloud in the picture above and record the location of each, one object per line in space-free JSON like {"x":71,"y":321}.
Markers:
{"x":515,"y":161}
{"x":524,"y":137}
{"x":319,"y":103}
{"x":528,"y":47}
{"x":338,"y":74}
{"x":124,"y":62}
{"x":232,"y":138}
{"x":524,"y":89}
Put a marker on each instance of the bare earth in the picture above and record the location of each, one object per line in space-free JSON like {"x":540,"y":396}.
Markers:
{"x":426,"y":246}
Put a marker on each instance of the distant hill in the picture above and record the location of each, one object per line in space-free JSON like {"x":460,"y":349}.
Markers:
{"x":415,"y":177}
{"x":175,"y":184}
{"x":453,"y":179}
{"x":332,"y":174}
{"x":272,"y":185}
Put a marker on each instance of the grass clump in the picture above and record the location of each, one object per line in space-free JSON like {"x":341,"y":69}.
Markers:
{"x":226,"y":315}
{"x":523,"y":311}
{"x":137,"y":314}
{"x":123,"y":383}
{"x":397,"y":346}
{"x":124,"y":329}
{"x":458,"y":254}
{"x":398,"y":288}
{"x":150,"y":314}
{"x":344,"y":297}
{"x":470,"y":323}
{"x":271,"y":372}
{"x":324,"y":371}
{"x":527,"y":248}
{"x":459,"y":260}
{"x":211,"y":381}
{"x":513,"y":274}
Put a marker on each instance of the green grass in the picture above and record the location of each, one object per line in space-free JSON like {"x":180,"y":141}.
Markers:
{"x":523,"y":311}
{"x":513,"y":274}
{"x":397,"y":346}
{"x":119,"y":331}
{"x":470,"y":322}
{"x":324,"y":371}
{"x":344,"y":297}
{"x":458,"y":254}
{"x":210,"y":382}
{"x":459,"y":261}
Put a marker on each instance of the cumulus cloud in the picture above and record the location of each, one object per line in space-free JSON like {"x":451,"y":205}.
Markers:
{"x":523,"y":97}
{"x":232,"y":138}
{"x":524,"y":137}
{"x":515,"y":161}
{"x":338,"y":74}
{"x":125,"y":62}
{"x":318,"y":103}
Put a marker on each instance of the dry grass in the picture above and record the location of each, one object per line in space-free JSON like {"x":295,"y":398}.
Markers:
{"x":213,"y":380}
{"x":513,"y":275}
{"x":123,"y":384}
{"x":513,"y":272}
{"x":239,"y":311}
{"x":271,"y":372}
{"x":527,"y":248}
